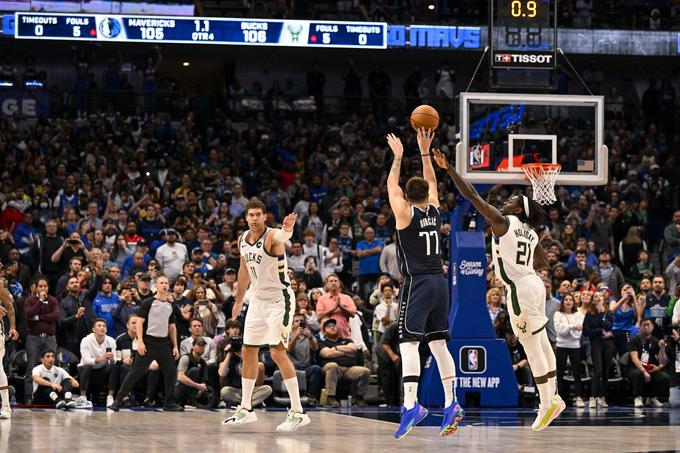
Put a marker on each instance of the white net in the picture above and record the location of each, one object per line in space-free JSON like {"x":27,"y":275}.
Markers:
{"x":542,"y":178}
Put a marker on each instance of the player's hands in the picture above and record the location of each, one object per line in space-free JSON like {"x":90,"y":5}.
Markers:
{"x":425,"y":137}
{"x":440,"y":159}
{"x":395,"y":145}
{"x":289,"y":222}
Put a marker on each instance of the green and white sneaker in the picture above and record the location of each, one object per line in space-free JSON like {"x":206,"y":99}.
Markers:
{"x":294,"y":420}
{"x":241,"y":416}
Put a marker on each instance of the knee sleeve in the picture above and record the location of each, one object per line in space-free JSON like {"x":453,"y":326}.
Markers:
{"x":447,"y":369}
{"x":410,"y":359}
{"x":535,"y":355}
{"x":548,"y":350}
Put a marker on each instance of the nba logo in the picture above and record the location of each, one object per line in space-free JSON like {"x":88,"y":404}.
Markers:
{"x":472,"y":359}
{"x":473,"y":363}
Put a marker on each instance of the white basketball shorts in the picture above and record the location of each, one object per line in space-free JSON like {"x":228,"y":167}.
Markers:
{"x":269,"y":322}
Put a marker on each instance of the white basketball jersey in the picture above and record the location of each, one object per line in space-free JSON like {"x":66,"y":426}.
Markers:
{"x":268,"y":274}
{"x":513,"y":253}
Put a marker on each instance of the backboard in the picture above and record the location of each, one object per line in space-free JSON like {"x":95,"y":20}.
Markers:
{"x":500,"y":132}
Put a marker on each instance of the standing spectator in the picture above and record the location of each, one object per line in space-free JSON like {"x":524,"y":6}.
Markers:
{"x":368,"y":252}
{"x":52,"y":384}
{"x":646,"y":374}
{"x":610,"y":273}
{"x":386,"y":312}
{"x":74,"y":316}
{"x":625,"y":318}
{"x":389,"y":365}
{"x":339,"y":360}
{"x":552,"y":305}
{"x":48,"y":244}
{"x":337,"y":306}
{"x":25,"y":238}
{"x":106,"y":301}
{"x":671,"y":236}
{"x":601,"y":230}
{"x":97,"y":360}
{"x":42,"y":313}
{"x":641,"y":269}
{"x":302,"y":348}
{"x":597,"y":326}
{"x":388,"y":259}
{"x":127,"y":307}
{"x":316,"y":80}
{"x":569,"y":325}
{"x":657,"y":303}
{"x":171,"y":255}
{"x":671,"y":360}
{"x":192,"y":374}
{"x":332,"y":263}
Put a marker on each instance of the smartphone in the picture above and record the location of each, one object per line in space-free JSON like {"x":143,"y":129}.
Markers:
{"x":108,"y":349}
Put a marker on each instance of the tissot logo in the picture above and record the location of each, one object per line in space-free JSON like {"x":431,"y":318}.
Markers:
{"x":523,"y":58}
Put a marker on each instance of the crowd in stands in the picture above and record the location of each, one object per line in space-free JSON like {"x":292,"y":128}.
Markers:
{"x":96,"y":207}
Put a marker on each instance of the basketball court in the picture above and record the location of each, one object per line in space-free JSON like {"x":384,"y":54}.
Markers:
{"x":368,"y":430}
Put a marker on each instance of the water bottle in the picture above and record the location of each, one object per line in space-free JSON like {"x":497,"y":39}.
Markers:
{"x":349,"y":401}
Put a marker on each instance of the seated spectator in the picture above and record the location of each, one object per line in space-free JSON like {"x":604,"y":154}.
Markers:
{"x":126,"y":308}
{"x":494,"y":302}
{"x":230,"y":360}
{"x":641,"y":269}
{"x":580,"y":270}
{"x":296,"y":260}
{"x":672,"y":273}
{"x":311,"y":275}
{"x":386,"y":312}
{"x":332,"y":263}
{"x":625,"y":318}
{"x":52,"y":384}
{"x":520,"y":362}
{"x":97,"y":360}
{"x":302,"y":349}
{"x":197,"y":331}
{"x":303,"y":306}
{"x":597,"y":326}
{"x":192,"y":375}
{"x":646,"y":373}
{"x":568,"y":327}
{"x":336,"y":305}
{"x":389,"y":365}
{"x":671,"y":360}
{"x":204,"y":309}
{"x":339,"y":361}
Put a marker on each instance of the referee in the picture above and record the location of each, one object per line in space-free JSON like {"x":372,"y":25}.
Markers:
{"x":156,"y":340}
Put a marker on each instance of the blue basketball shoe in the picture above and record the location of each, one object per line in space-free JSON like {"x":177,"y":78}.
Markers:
{"x":452,"y":418}
{"x":409,"y":419}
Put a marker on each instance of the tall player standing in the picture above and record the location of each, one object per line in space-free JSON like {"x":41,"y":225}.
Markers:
{"x":6,"y":308}
{"x":424,"y":294}
{"x":270,"y":313}
{"x":514,"y":245}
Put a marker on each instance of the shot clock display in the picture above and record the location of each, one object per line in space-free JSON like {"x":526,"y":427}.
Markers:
{"x":523,"y":33}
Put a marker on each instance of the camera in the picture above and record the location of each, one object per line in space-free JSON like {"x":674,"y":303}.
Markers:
{"x":236,"y":344}
{"x":73,"y":241}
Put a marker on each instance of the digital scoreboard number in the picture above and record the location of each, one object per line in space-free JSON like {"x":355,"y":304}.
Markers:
{"x":188,"y":30}
{"x":523,"y":34}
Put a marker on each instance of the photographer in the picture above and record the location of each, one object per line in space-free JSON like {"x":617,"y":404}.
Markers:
{"x":192,"y":376}
{"x":301,"y":350}
{"x":670,"y":357}
{"x":230,"y":358}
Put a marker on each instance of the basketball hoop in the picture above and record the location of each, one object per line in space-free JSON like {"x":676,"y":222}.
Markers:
{"x":543,"y":178}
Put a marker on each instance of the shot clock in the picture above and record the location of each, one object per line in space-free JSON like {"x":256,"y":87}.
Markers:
{"x":523,"y":33}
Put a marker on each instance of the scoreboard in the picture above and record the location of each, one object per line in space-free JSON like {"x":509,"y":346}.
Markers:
{"x":196,"y":30}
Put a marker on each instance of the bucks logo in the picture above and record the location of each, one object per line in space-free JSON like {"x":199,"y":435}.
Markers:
{"x":295,"y":32}
{"x":522,"y":326}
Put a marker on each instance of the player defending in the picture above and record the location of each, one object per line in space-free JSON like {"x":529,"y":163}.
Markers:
{"x":270,"y":314}
{"x":424,"y":294}
{"x":6,"y":308}
{"x":514,"y":245}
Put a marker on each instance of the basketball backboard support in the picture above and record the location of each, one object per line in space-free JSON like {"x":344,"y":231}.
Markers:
{"x":502,"y":131}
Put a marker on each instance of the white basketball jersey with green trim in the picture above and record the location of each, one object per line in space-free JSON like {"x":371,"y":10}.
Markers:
{"x":513,"y":253}
{"x":268,"y":274}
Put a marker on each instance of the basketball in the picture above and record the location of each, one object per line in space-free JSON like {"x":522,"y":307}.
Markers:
{"x":424,"y":116}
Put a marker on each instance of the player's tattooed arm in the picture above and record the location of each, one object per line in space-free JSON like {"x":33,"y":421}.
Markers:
{"x":8,"y":303}
{"x":491,"y":213}
{"x":396,"y":195}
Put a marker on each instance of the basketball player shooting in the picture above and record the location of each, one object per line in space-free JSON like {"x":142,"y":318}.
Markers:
{"x":424,"y":293}
{"x":6,"y":308}
{"x":514,"y":244}
{"x":270,"y":314}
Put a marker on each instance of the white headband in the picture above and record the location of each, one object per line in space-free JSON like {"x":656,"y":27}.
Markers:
{"x":525,"y":199}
